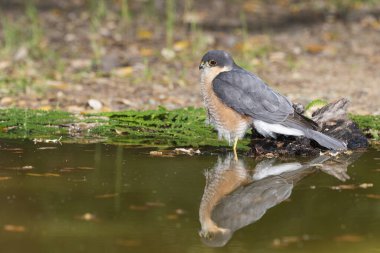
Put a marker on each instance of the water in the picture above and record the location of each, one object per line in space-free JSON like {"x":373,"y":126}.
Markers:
{"x":104,"y":198}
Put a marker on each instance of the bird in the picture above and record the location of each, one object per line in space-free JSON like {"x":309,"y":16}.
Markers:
{"x":236,"y":195}
{"x":227,"y":175}
{"x":236,"y":99}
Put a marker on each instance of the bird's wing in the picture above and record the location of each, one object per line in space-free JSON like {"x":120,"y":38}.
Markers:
{"x":249,"y":95}
{"x":249,"y":203}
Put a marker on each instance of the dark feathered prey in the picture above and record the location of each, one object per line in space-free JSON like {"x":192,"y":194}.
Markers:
{"x":231,"y":93}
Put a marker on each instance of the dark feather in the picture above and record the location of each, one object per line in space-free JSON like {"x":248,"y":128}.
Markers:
{"x":249,"y":95}
{"x":302,"y":121}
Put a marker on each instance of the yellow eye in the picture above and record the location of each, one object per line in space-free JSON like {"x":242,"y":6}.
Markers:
{"x":212,"y":63}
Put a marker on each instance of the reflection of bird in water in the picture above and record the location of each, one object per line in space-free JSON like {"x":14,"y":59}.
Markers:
{"x":224,"y":178}
{"x":233,"y":198}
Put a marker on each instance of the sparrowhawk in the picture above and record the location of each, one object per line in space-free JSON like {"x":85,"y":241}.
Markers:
{"x":235,"y":99}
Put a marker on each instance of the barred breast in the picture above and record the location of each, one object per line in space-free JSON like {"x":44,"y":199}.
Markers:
{"x":228,"y":122}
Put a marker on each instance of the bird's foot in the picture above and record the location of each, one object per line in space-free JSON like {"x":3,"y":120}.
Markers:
{"x":235,"y":152}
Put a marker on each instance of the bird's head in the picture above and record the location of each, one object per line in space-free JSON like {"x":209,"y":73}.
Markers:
{"x":216,"y":59}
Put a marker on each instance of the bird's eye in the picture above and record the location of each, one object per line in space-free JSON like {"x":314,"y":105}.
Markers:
{"x":212,"y":63}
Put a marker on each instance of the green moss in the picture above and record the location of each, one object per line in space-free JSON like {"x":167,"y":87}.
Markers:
{"x":367,"y":121}
{"x":181,"y":127}
{"x":315,"y":104}
{"x":25,"y":123}
{"x":161,"y":127}
{"x":369,"y":124}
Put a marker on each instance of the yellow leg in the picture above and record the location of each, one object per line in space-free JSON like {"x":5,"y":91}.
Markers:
{"x":235,"y":153}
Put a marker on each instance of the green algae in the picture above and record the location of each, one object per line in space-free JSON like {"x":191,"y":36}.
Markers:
{"x":180,"y":127}
{"x":161,"y":127}
{"x":369,"y":124}
{"x":29,"y":124}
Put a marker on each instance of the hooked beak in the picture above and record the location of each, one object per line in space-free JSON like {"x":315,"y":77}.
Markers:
{"x":202,"y":65}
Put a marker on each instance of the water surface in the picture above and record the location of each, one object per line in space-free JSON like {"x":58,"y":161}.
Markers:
{"x":104,"y":198}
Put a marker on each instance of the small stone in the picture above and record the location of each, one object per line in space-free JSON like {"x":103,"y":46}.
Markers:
{"x":95,"y":104}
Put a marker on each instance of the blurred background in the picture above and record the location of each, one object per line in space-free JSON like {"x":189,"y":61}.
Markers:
{"x":87,"y":55}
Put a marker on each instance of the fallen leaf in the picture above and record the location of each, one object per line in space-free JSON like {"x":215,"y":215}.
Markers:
{"x":14,"y":228}
{"x":6,"y":101}
{"x":277,"y":56}
{"x":144,"y":34}
{"x":106,"y":196}
{"x":45,"y":108}
{"x":163,"y":153}
{"x":129,"y":243}
{"x":7,"y":129}
{"x":187,"y":151}
{"x":12,"y":149}
{"x":47,"y":140}
{"x":120,"y":132}
{"x":123,"y":71}
{"x":66,"y":170}
{"x":370,"y":22}
{"x":20,"y":168}
{"x":155,"y":204}
{"x":87,"y":217}
{"x":180,"y":211}
{"x":193,"y":17}
{"x":155,"y":153}
{"x":138,"y":208}
{"x":75,"y":109}
{"x":172,"y":216}
{"x":146,"y":52}
{"x":373,"y":196}
{"x":351,"y":186}
{"x":286,"y":241}
{"x":366,"y":185}
{"x":181,"y":45}
{"x":80,"y":63}
{"x":43,"y":174}
{"x":4,"y":178}
{"x":252,"y":6}
{"x":329,"y":36}
{"x":314,"y":48}
{"x":349,"y":238}
{"x":45,"y":148}
{"x":58,"y":85}
{"x":85,"y":168}
{"x":4,"y":65}
{"x":344,"y":187}
{"x":348,"y":152}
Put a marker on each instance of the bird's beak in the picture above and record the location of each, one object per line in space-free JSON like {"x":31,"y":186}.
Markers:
{"x":202,"y":65}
